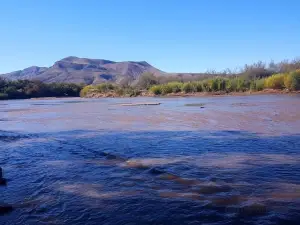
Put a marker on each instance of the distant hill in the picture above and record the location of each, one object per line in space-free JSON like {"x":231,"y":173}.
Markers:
{"x":82,"y":70}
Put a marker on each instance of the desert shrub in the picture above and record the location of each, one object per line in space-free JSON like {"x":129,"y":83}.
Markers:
{"x":147,"y":80}
{"x":87,"y":89}
{"x":292,"y":80}
{"x":259,"y":84}
{"x":242,"y":84}
{"x":175,"y":86}
{"x":187,"y":87}
{"x":231,"y":85}
{"x":221,"y":84}
{"x":120,"y":91}
{"x":205,"y":86}
{"x":213,"y":84}
{"x":105,"y":87}
{"x":166,"y":89}
{"x":156,"y":89}
{"x":275,"y":81}
{"x":131,"y":92}
{"x":197,"y":86}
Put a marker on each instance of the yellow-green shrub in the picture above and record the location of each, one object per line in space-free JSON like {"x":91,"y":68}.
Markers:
{"x":275,"y":81}
{"x":175,"y":86}
{"x":197,"y":86}
{"x":156,"y":89}
{"x":259,"y":84}
{"x":187,"y":87}
{"x":87,"y":89}
{"x":292,"y":80}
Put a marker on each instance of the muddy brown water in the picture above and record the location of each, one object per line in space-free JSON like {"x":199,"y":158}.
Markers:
{"x":93,"y":161}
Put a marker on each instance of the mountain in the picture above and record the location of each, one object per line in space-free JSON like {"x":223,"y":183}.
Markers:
{"x":82,"y":70}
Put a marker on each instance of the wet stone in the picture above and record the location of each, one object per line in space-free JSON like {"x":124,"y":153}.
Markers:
{"x":5,"y":208}
{"x":156,"y":171}
{"x":2,"y":180}
{"x":255,"y":209}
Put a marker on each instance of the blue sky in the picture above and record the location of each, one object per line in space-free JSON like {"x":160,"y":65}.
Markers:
{"x":173,"y":35}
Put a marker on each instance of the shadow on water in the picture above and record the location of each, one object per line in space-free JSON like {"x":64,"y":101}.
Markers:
{"x":151,"y":177}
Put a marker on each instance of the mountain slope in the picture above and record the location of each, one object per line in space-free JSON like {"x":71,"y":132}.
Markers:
{"x":82,"y":70}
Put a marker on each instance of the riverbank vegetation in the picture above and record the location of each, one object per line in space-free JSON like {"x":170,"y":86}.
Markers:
{"x":252,"y":78}
{"x":288,"y":81}
{"x":283,"y":76}
{"x":22,"y":89}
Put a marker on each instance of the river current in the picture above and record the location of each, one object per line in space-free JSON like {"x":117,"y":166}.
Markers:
{"x":212,"y":160}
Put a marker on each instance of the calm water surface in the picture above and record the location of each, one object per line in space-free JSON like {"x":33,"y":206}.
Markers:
{"x":92,"y":161}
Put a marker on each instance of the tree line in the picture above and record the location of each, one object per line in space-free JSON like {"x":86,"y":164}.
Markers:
{"x":22,"y":89}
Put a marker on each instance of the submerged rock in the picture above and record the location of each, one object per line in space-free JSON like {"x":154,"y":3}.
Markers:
{"x":5,"y":209}
{"x":156,"y":171}
{"x":254,"y":209}
{"x":2,"y":180}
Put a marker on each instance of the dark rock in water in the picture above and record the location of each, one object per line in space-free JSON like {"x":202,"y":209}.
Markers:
{"x":255,"y":209}
{"x":156,"y":171}
{"x":110,"y":156}
{"x":2,"y":182}
{"x":5,"y":209}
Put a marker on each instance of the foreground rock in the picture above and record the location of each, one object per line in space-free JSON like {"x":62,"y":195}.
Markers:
{"x":5,"y":208}
{"x":2,"y":180}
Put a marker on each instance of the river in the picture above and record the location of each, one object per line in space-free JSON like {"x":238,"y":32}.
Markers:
{"x":211,"y":160}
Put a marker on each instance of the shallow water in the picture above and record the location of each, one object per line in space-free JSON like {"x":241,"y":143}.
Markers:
{"x":93,"y":161}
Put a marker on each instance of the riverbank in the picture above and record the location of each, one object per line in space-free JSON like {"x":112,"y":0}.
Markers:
{"x":195,"y":94}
